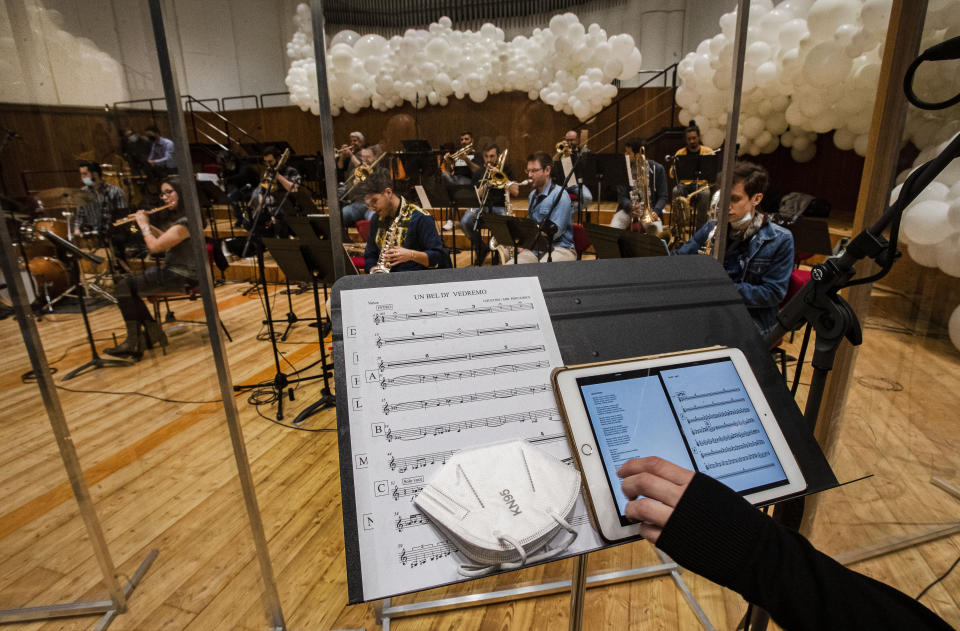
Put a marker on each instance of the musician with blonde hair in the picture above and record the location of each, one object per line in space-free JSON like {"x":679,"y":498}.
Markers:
{"x":178,"y":271}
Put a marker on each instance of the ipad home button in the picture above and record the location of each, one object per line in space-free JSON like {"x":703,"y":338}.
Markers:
{"x":586,"y":449}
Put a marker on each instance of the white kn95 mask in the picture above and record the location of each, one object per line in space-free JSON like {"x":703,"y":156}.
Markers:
{"x":501,"y":504}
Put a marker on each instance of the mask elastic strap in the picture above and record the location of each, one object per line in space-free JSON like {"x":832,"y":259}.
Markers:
{"x":472,"y":571}
{"x":566,"y":544}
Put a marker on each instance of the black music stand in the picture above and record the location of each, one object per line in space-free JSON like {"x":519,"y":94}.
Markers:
{"x":640,"y":244}
{"x":611,"y":170}
{"x":461,"y":196}
{"x":605,"y":240}
{"x":67,"y":251}
{"x":210,"y":195}
{"x":584,"y":169}
{"x":300,"y":263}
{"x":521,"y":232}
{"x":697,"y":168}
{"x":811,"y":236}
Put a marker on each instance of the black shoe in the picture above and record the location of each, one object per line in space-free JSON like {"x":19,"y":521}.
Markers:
{"x":154,"y":334}
{"x":133,"y":345}
{"x":482,"y":254}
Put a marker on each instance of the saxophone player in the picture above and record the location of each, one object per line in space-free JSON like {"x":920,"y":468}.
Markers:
{"x":628,"y":201}
{"x":759,"y":254}
{"x":414,"y":243}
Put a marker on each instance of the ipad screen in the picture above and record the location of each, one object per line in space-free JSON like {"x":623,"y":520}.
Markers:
{"x":697,"y":415}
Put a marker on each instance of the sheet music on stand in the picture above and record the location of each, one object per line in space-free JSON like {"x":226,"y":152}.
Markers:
{"x":433,"y":369}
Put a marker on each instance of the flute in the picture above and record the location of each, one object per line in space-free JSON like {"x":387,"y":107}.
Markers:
{"x":131,"y":218}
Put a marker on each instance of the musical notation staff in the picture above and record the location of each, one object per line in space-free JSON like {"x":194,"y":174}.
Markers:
{"x":459,"y":357}
{"x":416,"y":519}
{"x":416,"y":433}
{"x":683,"y":396}
{"x":714,"y":404}
{"x":409,"y":380}
{"x":404,"y":463}
{"x":380,"y":318}
{"x":414,"y":338}
{"x":547,"y":438}
{"x":409,"y":490}
{"x":460,"y":399}
{"x":418,"y":555}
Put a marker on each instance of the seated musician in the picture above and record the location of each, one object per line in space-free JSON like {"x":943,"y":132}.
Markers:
{"x":357,"y":209}
{"x":348,"y":156}
{"x":459,"y":171}
{"x":577,"y":190}
{"x":759,"y":253}
{"x":495,"y":203}
{"x":402,"y":236}
{"x":290,"y":178}
{"x":108,"y":202}
{"x":701,"y":200}
{"x":549,"y":205}
{"x":238,"y":178}
{"x":627,"y":210}
{"x":178,"y":271}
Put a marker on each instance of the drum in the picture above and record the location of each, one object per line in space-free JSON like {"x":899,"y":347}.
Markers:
{"x":88,"y":240}
{"x":51,"y":276}
{"x":27,"y":283}
{"x":34,"y":244}
{"x":55,"y":225}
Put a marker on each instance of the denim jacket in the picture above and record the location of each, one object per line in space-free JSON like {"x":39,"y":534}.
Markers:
{"x":761,"y":273}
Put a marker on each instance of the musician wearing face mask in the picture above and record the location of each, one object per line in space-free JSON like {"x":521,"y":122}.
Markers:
{"x":178,"y":271}
{"x":161,"y":150}
{"x":107,"y":201}
{"x":759,"y":253}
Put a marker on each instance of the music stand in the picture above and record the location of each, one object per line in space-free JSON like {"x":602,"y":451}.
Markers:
{"x":697,"y":168}
{"x":522,"y":232}
{"x":811,"y":236}
{"x":72,"y":254}
{"x":605,"y":240}
{"x":611,"y":169}
{"x":305,"y":261}
{"x":640,"y":244}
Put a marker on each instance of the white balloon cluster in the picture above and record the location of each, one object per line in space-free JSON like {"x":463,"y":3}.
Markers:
{"x":68,"y":70}
{"x":568,"y":66}
{"x":812,"y":67}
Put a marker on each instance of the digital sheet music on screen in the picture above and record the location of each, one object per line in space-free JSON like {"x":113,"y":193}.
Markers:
{"x":696,"y":415}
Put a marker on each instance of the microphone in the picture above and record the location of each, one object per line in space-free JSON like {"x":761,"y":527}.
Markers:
{"x":949,"y":49}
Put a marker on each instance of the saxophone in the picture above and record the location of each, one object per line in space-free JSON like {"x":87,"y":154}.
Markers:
{"x":640,"y":208}
{"x":389,"y":242}
{"x":708,"y":245}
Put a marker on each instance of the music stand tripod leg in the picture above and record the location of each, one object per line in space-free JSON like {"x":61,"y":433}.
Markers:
{"x":326,"y":400}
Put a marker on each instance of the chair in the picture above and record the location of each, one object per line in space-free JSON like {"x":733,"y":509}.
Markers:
{"x":363,"y":227}
{"x":189,"y":292}
{"x":581,"y":240}
{"x":798,"y":278}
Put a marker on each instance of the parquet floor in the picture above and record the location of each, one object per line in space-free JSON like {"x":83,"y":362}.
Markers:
{"x":162,"y":475}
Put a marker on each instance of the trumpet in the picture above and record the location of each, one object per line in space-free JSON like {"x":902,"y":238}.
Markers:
{"x":132,"y":218}
{"x":461,"y":152}
{"x":562,"y":150}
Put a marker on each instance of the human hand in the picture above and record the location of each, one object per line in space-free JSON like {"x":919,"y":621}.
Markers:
{"x":395,"y":256}
{"x":661,"y":483}
{"x":142,"y":220}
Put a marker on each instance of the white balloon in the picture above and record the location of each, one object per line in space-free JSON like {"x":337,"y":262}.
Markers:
{"x":826,"y":15}
{"x":953,"y":213}
{"x":925,"y":255}
{"x":953,"y":326}
{"x":948,"y":255}
{"x":926,"y":223}
{"x":826,"y":65}
{"x":936,"y":191}
{"x":347,"y":37}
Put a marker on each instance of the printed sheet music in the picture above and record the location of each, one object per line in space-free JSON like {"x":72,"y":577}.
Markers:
{"x":432,"y":369}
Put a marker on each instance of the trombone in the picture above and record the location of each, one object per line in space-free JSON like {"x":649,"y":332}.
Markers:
{"x":493,"y":177}
{"x":360,"y":174}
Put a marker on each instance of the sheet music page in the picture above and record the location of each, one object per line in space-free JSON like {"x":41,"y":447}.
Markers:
{"x":432,"y":369}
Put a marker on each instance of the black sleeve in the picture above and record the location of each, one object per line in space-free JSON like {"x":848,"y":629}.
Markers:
{"x":371,"y":253}
{"x":659,"y":189}
{"x":719,"y":535}
{"x":425,"y":238}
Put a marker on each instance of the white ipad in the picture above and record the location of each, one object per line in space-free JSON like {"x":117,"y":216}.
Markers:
{"x":702,"y":410}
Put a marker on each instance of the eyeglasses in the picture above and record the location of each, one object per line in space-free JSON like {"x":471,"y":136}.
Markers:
{"x":529,"y":171}
{"x":167,"y":192}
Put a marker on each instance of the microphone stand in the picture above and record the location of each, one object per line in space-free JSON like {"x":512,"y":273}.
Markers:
{"x":832,"y":317}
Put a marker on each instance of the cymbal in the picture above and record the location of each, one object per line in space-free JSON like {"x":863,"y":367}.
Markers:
{"x":63,"y":196}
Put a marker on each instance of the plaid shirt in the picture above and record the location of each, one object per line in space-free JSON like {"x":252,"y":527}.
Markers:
{"x":108,"y":205}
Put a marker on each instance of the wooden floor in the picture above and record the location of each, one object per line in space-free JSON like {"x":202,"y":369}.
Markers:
{"x":162,"y":476}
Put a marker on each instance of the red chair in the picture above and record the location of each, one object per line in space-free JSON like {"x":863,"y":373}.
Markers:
{"x":798,"y":278}
{"x":581,"y":240}
{"x":363,"y":227}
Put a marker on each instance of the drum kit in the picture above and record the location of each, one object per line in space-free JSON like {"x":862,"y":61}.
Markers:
{"x":45,"y":276}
